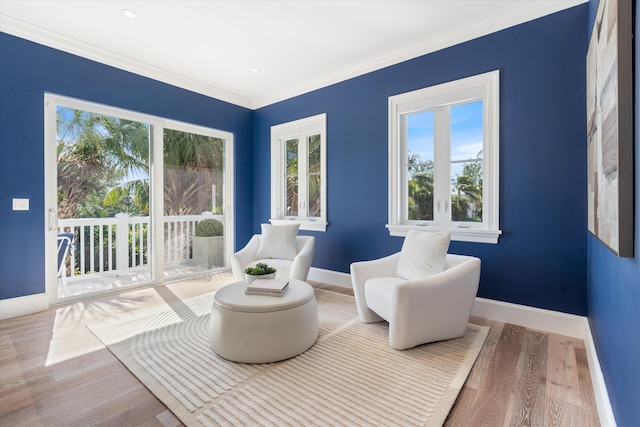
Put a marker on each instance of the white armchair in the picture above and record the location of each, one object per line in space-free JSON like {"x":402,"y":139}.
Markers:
{"x":419,"y":311}
{"x":297,"y":268}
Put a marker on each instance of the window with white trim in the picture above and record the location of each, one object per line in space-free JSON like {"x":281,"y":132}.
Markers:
{"x":444,"y":160}
{"x":298,"y":173}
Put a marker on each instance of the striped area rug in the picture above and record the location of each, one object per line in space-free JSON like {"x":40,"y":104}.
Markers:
{"x":350,"y":377}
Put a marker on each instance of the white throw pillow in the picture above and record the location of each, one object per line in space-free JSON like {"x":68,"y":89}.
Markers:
{"x":278,"y":241}
{"x":423,"y":254}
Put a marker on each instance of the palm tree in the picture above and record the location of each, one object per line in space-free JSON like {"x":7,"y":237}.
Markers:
{"x":192,"y":165}
{"x":469,"y":184}
{"x":94,"y":153}
{"x":421,"y":175}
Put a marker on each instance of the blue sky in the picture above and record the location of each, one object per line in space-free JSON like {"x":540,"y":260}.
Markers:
{"x":466,"y":132}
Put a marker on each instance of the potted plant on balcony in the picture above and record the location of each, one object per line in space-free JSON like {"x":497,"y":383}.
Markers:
{"x":259,"y":271}
{"x":208,"y":244}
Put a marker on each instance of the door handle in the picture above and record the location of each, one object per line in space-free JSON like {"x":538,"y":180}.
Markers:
{"x":53,"y":220}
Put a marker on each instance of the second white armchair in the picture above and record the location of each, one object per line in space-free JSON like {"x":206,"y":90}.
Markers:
{"x":280,"y":248}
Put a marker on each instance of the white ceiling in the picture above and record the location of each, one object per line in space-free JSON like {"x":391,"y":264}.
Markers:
{"x":210,"y":47}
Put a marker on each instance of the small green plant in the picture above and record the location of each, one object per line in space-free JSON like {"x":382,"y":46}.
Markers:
{"x":260,"y":269}
{"x":209,"y":227}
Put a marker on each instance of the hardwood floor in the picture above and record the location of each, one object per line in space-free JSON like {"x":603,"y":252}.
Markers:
{"x":54,"y":372}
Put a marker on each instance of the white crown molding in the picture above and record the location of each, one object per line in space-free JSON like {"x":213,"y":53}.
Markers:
{"x":515,"y":15}
{"x":18,"y":28}
{"x":518,"y":13}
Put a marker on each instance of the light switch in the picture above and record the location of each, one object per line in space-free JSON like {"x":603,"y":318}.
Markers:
{"x":20,"y":204}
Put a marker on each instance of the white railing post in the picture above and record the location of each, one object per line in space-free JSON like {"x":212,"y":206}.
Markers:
{"x":122,"y":241}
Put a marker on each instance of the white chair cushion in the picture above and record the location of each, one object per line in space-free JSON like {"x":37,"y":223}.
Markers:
{"x":423,"y":254}
{"x":278,"y":241}
{"x":377,"y":293}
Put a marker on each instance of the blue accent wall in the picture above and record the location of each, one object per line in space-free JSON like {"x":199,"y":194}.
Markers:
{"x":27,"y":71}
{"x":540,"y":259}
{"x":613,"y":292}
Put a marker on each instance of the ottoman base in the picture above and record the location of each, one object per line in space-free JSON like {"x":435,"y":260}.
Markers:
{"x":266,"y":336}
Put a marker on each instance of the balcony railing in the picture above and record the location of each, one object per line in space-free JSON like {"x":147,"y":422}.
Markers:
{"x":111,"y":244}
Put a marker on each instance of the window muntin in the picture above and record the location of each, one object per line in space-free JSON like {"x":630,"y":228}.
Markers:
{"x":466,"y":161}
{"x":298,"y":182}
{"x":314,"y":177}
{"x":443,"y":159}
{"x":420,"y":166}
{"x":291,"y":176}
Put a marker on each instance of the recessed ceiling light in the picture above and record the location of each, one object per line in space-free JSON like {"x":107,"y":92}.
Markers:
{"x":129,"y":13}
{"x":255,"y":70}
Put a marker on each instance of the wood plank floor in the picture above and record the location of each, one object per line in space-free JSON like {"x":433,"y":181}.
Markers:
{"x":54,"y":372}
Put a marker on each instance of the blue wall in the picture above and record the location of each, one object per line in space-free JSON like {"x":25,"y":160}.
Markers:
{"x":613,"y":294}
{"x":540,"y":258}
{"x":27,"y":71}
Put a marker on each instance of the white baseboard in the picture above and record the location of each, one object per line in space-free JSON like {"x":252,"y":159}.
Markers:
{"x":330,"y":277}
{"x":20,"y":306}
{"x":605,"y":411}
{"x":530,"y":317}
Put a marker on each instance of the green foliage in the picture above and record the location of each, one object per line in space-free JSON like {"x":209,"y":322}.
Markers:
{"x":466,"y":197}
{"x":466,"y":204}
{"x":95,"y":153}
{"x":193,"y":163}
{"x":103,"y":157}
{"x":209,"y":227}
{"x":313,"y":171}
{"x":260,"y":269}
{"x":420,"y":175}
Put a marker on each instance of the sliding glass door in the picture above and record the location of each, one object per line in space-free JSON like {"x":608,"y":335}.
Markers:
{"x":194,"y":200}
{"x":131,"y":199}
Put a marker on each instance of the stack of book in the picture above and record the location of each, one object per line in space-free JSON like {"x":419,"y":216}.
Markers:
{"x":268,"y":287}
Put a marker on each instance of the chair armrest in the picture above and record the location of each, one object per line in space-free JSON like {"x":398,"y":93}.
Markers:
{"x":447,"y":296}
{"x":244,"y":256}
{"x":364,"y":270}
{"x":302,"y":261}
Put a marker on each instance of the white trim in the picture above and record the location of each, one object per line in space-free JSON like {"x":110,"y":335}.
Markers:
{"x":330,"y":277}
{"x":299,"y":129}
{"x":20,"y":306}
{"x":531,"y":317}
{"x":309,"y":225}
{"x":605,"y":411}
{"x":156,"y":167}
{"x":458,"y":234}
{"x":509,"y":17}
{"x":58,"y":41}
{"x":483,"y":87}
{"x":228,"y":192}
{"x":50,"y":198}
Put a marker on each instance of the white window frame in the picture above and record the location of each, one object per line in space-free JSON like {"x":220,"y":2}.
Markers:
{"x":483,"y":87}
{"x":299,"y":129}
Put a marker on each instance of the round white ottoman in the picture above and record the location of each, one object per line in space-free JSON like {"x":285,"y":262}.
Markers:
{"x":263,"y":329}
